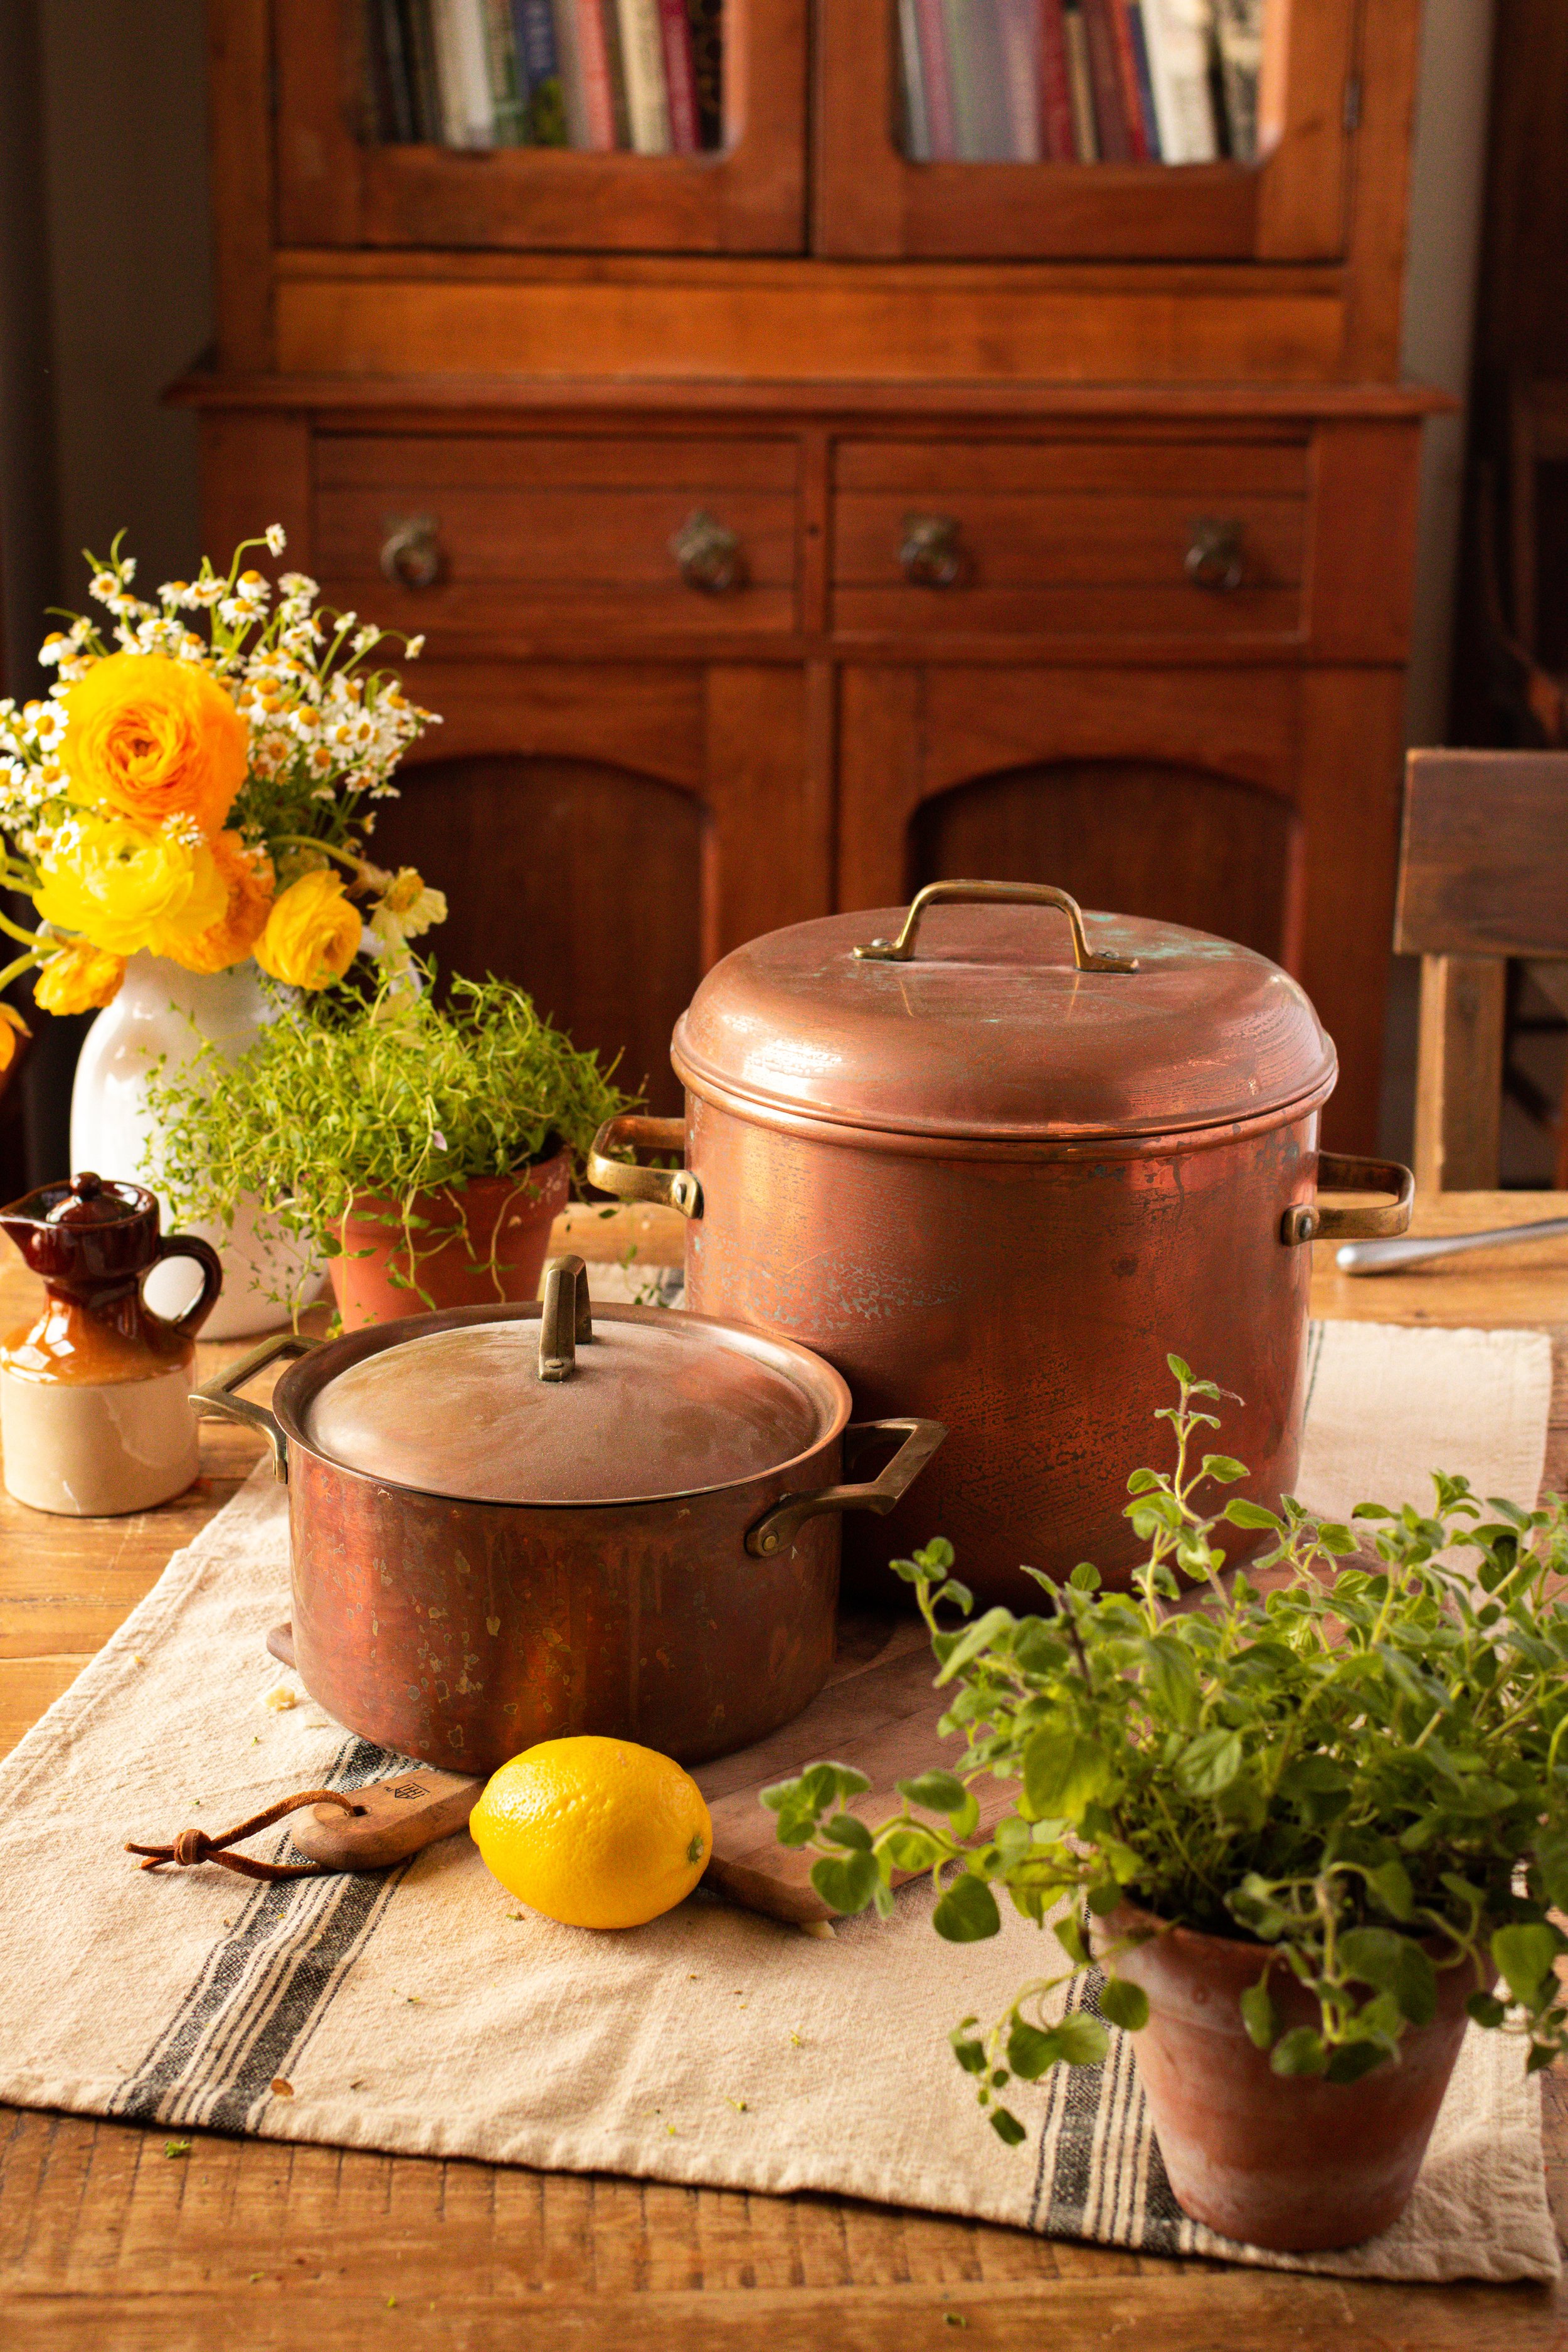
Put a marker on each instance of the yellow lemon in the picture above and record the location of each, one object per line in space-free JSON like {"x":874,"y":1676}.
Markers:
{"x":594,"y":1832}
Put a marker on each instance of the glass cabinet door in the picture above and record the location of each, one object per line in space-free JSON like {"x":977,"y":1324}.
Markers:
{"x":1108,"y":130}
{"x":608,"y":126}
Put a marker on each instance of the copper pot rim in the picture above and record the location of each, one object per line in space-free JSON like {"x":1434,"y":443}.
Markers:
{"x":812,"y":1373}
{"x":1168,"y":1143}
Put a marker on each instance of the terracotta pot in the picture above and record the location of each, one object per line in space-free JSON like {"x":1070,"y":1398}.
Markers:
{"x":497,"y":1233}
{"x":1287,"y":2161}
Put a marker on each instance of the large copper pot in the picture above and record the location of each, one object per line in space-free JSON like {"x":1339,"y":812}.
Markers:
{"x":511,"y":1523}
{"x":997,"y":1167}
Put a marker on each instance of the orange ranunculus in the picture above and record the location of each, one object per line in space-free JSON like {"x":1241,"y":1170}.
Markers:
{"x":149,"y":738}
{"x":311,"y":933}
{"x":247,"y":874}
{"x":78,"y":977}
{"x":13,"y":1029}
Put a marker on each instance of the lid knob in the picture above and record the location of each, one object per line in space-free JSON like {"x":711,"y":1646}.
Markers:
{"x":566,"y":1322}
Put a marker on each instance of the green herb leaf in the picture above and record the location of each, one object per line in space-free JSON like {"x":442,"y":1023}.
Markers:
{"x":1209,"y":1763}
{"x":1259,"y":2016}
{"x":966,"y":1912}
{"x":847,"y":1886}
{"x":1524,"y":1958}
{"x":1063,"y":1773}
{"x":1125,"y":2004}
{"x":1299,"y":2052}
{"x":1006,"y":2126}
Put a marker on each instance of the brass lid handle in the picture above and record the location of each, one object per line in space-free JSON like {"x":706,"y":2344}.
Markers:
{"x":566,"y":1322}
{"x":411,"y":553}
{"x":1011,"y":894}
{"x":1213,"y":557}
{"x":709,"y":555}
{"x":929,"y":552}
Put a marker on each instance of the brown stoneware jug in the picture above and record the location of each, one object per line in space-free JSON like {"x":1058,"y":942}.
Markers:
{"x":95,"y":1413}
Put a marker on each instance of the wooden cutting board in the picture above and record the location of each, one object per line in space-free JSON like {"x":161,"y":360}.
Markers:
{"x":878,"y":1712}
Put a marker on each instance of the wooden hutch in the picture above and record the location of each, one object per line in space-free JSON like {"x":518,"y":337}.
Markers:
{"x":1074,"y":505}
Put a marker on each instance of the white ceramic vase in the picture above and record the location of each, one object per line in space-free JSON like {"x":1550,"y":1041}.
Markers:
{"x":164,"y":1013}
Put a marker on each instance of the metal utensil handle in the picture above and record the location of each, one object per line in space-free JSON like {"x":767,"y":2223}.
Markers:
{"x":565,"y":1320}
{"x":1309,"y":1220}
{"x":217,"y":1396}
{"x":673,"y":1188}
{"x":1009,"y":894}
{"x":1388,"y":1256}
{"x":777,"y":1528}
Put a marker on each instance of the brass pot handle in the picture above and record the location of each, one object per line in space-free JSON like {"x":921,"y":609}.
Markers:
{"x":217,"y":1397}
{"x":929,"y":552}
{"x":777,"y":1528}
{"x":708,"y":555}
{"x":1213,"y":558}
{"x":1309,"y":1220}
{"x":1009,"y":894}
{"x":411,"y":553}
{"x":672,"y":1188}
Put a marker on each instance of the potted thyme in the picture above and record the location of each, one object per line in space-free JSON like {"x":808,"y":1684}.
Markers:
{"x":1309,"y":1821}
{"x":422,"y":1148}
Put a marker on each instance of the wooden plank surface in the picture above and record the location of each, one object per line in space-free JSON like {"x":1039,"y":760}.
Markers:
{"x":105,"y":2239}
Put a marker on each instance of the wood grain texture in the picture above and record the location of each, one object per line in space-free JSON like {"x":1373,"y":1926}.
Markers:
{"x":238,"y":63}
{"x":1483,"y":867}
{"x":1458,"y":1072}
{"x":104,"y":2240}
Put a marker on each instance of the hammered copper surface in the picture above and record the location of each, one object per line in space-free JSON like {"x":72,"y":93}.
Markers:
{"x":1027,"y":1302}
{"x":651,"y":1408}
{"x":989,"y":1031}
{"x":461,"y":1632}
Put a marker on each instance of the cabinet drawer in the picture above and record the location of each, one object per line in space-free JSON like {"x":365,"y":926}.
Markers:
{"x":1070,"y":539}
{"x":542,"y":536}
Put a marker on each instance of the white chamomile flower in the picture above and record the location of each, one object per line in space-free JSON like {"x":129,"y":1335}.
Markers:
{"x":277,"y":538}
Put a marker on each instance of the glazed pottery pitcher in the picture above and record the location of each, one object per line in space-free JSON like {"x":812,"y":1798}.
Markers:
{"x":95,"y":1412}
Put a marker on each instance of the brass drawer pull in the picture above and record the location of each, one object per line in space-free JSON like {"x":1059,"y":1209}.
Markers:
{"x":411,"y":553}
{"x":1213,"y":557}
{"x":709,"y":555}
{"x":931,"y":555}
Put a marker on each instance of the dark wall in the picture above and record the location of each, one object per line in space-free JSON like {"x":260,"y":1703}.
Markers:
{"x":105,"y":295}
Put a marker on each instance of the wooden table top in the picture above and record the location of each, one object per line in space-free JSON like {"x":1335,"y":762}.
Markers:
{"x":259,"y":2244}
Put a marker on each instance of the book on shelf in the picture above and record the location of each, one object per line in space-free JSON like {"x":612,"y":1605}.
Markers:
{"x":1086,"y":81}
{"x":594,"y":75}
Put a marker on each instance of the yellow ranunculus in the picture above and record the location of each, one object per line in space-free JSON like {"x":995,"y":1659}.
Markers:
{"x":150,"y":738}
{"x":247,"y":874}
{"x":125,"y":887}
{"x":12,"y":1028}
{"x":311,"y":933}
{"x":78,"y":977}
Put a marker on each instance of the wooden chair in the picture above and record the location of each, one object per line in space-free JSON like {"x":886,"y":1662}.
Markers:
{"x":1483,"y":876}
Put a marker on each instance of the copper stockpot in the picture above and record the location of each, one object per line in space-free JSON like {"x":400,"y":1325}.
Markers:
{"x":511,"y":1523}
{"x":998,"y":1167}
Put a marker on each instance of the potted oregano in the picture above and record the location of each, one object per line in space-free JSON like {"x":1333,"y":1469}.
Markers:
{"x":421,"y":1144}
{"x":1310,"y":1818}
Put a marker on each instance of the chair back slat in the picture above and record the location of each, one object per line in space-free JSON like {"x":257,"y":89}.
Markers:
{"x":1483,"y":866}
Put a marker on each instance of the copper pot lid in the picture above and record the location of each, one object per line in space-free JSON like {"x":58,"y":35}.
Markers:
{"x":980,"y":1011}
{"x":547,"y":1406}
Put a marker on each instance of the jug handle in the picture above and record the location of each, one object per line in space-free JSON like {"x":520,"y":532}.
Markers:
{"x":777,"y":1527}
{"x":207,"y":1259}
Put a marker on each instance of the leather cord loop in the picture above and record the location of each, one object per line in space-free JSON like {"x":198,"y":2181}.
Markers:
{"x":194,"y":1845}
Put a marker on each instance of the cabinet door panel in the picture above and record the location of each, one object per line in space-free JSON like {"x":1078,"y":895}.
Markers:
{"x":580,"y":881}
{"x":1260,"y":805}
{"x":336,"y":188}
{"x":868,"y":198}
{"x":1174,"y":842}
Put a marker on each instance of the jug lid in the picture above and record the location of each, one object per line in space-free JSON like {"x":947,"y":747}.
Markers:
{"x":656,"y":1404}
{"x":89,"y":1199}
{"x":979,"y":1013}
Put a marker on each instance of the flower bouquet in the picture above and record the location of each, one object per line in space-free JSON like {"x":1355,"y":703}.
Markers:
{"x":187,"y":810}
{"x":205,"y":793}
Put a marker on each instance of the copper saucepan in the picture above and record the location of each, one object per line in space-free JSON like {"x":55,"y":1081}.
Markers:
{"x":511,"y":1523}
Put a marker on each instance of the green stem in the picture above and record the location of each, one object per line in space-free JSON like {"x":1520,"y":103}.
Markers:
{"x":309,"y":841}
{"x":14,"y":971}
{"x":28,"y":939}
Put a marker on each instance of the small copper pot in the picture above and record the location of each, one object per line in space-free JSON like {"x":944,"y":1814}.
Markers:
{"x":514,"y":1523}
{"x":1001,"y":1165}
